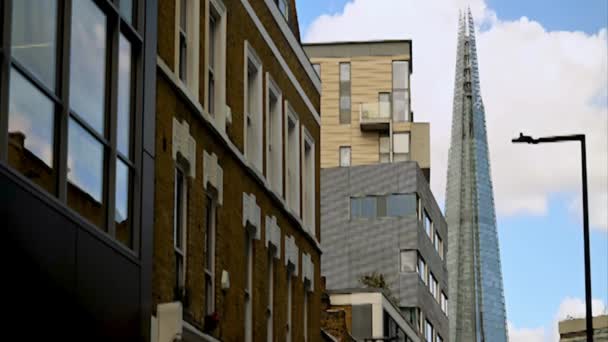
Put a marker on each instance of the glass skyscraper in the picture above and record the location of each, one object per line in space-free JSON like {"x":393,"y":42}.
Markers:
{"x":477,"y":306}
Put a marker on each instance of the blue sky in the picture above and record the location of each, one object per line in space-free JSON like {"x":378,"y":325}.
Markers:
{"x":541,"y":251}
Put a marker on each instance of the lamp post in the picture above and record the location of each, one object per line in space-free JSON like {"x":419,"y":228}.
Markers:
{"x":581,"y":138}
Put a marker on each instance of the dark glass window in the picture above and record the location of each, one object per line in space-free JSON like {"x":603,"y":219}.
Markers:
{"x":34,"y":38}
{"x":398,"y":205}
{"x":31,"y":127}
{"x":72,"y":106}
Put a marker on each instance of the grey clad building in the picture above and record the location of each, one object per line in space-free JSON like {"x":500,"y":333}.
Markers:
{"x":477,"y":302}
{"x":383,"y":218}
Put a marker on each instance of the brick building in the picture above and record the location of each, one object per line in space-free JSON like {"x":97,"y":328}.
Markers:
{"x":236,"y":238}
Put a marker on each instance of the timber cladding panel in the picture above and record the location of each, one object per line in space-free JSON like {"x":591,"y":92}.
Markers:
{"x":230,"y":234}
{"x":370,"y":75}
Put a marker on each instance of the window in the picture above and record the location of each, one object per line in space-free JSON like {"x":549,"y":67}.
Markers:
{"x":305,"y":314}
{"x":385,"y":148}
{"x":288,"y":331}
{"x":444,"y":303}
{"x":439,"y":339}
{"x":428,"y":331}
{"x":421,"y":269}
{"x":180,"y":209}
{"x":384,"y":105}
{"x":428,"y":224}
{"x":317,"y":68}
{"x":216,"y":65}
{"x":408,"y":260}
{"x":210,"y":224}
{"x":274,"y":136}
{"x":248,"y":288}
{"x":283,"y":8}
{"x":345,"y":156}
{"x":183,"y":40}
{"x":270,"y":304}
{"x":253,"y":108}
{"x":401,"y":101}
{"x":438,"y":242}
{"x":397,"y":205}
{"x":433,"y":285}
{"x":292,"y":160}
{"x":401,"y":205}
{"x":65,"y":148}
{"x":401,"y":147}
{"x":187,"y":44}
{"x":345,"y":101}
{"x":308,"y":181}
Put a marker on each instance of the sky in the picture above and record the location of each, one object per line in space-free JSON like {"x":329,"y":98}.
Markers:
{"x":544,"y":71}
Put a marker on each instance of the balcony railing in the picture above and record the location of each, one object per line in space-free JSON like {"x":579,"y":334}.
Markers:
{"x":375,"y":116}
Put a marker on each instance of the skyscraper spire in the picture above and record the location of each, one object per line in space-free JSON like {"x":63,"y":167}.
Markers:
{"x":477,"y":308}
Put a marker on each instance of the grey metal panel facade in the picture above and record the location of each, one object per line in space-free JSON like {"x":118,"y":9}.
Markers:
{"x":360,"y":246}
{"x":477,"y":303}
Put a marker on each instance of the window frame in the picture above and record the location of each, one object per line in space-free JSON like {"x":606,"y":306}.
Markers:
{"x":248,"y":291}
{"x":292,"y":182}
{"x":180,"y":252}
{"x":345,"y":114}
{"x":350,"y":156}
{"x":394,"y":144}
{"x":215,"y":104}
{"x":274,"y":171}
{"x":253,"y":149}
{"x":116,"y":26}
{"x":308,"y":180}
{"x":192,"y":41}
{"x":210,"y":243}
{"x":405,"y":90}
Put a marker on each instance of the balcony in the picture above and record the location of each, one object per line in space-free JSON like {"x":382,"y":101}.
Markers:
{"x":375,"y":116}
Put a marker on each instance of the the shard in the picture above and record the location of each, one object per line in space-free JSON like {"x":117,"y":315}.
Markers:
{"x":477,"y":306}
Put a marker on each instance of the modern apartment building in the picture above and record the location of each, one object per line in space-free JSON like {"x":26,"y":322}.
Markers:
{"x":237,"y":235}
{"x":377,"y":211}
{"x":367,"y":315}
{"x":367,"y":117}
{"x":383,"y":219}
{"x":77,"y":167}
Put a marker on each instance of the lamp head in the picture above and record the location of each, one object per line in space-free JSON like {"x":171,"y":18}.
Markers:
{"x":524,"y":139}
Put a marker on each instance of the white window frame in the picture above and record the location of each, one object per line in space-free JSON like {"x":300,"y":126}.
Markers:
{"x":253,"y":149}
{"x":428,"y":324}
{"x":182,"y":252}
{"x":192,"y":45}
{"x":308,"y":181}
{"x":350,"y":156}
{"x":422,"y":272}
{"x":433,"y":285}
{"x":210,"y":231}
{"x":274,"y":137}
{"x":292,"y":155}
{"x":217,"y":10}
{"x":438,"y":243}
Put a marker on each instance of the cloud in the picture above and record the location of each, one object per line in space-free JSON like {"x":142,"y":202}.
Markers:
{"x":525,"y":334}
{"x":569,"y":308}
{"x":532,"y":80}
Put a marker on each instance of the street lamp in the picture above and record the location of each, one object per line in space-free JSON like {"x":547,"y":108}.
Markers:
{"x":577,"y":137}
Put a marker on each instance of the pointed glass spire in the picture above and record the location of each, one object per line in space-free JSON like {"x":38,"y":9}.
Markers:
{"x":477,"y":306}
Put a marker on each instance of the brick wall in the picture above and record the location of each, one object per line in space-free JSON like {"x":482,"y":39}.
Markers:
{"x":230,"y":234}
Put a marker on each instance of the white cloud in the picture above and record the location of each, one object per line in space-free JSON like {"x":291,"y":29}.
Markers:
{"x":569,"y":308}
{"x":525,"y":334}
{"x":532,"y":80}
